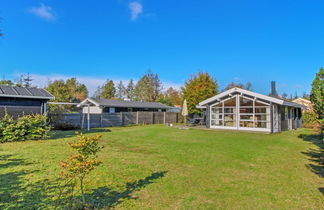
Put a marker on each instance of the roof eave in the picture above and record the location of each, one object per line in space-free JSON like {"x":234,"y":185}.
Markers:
{"x":31,"y":97}
{"x":84,"y":102}
{"x":240,"y":90}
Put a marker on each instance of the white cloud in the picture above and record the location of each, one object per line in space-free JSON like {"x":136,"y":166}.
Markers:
{"x":299,"y":86}
{"x":136,"y":9}
{"x":282,"y":85}
{"x":43,"y":11}
{"x":167,"y":84}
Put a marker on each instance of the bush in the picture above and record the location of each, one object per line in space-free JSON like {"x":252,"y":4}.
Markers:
{"x":310,"y":119}
{"x":64,"y":126}
{"x":29,"y":127}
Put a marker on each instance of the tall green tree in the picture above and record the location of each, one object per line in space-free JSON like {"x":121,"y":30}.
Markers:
{"x":149,"y":87}
{"x":317,"y":95}
{"x":67,"y":91}
{"x":120,"y":90}
{"x":78,"y":91}
{"x":6,"y":82}
{"x":107,"y":91}
{"x":198,"y":88}
{"x":130,"y":90}
{"x":171,"y":97}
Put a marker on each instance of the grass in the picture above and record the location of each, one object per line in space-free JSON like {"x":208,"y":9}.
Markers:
{"x":158,"y":167}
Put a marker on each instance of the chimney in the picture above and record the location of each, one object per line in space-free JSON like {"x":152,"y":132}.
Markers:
{"x":273,"y":89}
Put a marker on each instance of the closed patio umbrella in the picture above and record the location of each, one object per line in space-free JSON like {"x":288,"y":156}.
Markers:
{"x":184,"y":111}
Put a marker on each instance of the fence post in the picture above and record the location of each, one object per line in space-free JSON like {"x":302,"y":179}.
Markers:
{"x":122,"y":117}
{"x":164,"y":113}
{"x":137,"y":118}
{"x":152,"y":117}
{"x":101,"y":120}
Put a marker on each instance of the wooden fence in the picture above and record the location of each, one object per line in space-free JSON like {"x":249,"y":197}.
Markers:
{"x":117,"y":119}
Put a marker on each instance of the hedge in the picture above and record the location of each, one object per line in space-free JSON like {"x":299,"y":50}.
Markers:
{"x":29,"y":127}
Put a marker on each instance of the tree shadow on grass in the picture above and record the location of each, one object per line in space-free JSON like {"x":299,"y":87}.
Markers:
{"x":321,"y":189}
{"x":56,"y":134}
{"x":106,"y":198}
{"x":16,"y":192}
{"x":11,"y":162}
{"x":316,"y":156}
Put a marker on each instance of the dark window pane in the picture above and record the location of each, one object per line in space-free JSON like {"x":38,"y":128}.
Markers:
{"x":246,"y":110}
{"x":245,"y":102}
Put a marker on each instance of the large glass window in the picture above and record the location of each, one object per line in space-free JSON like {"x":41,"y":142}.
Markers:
{"x":224,"y":113}
{"x":249,"y":113}
{"x":254,"y":114}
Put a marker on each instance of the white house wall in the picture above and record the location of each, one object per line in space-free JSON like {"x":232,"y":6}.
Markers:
{"x":93,"y":110}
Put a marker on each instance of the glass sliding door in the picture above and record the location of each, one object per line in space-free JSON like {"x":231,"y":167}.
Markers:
{"x":230,"y":112}
{"x":246,"y":112}
{"x":217,"y":115}
{"x":223,"y":114}
{"x":262,"y":115}
{"x":254,"y":114}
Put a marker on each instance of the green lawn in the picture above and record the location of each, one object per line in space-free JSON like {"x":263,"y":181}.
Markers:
{"x":157,"y":167}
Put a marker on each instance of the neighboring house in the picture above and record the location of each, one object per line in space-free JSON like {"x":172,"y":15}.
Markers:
{"x":239,"y":109}
{"x":19,"y":101}
{"x":98,"y":106}
{"x":305,"y":102}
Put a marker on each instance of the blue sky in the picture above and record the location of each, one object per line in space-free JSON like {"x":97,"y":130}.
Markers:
{"x":240,"y":41}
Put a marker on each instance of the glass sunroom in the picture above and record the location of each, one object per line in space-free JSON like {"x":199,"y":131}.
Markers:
{"x":239,"y":109}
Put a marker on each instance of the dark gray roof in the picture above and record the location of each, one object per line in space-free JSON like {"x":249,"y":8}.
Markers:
{"x":130,"y":104}
{"x":23,"y":92}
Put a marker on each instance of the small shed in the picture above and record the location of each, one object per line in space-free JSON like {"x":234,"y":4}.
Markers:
{"x":19,"y":101}
{"x":240,"y":109}
{"x":98,"y":106}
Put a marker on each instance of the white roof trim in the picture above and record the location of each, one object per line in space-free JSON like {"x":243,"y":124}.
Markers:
{"x":200,"y":107}
{"x":288,"y":103}
{"x":247,"y":92}
{"x":242,"y":91}
{"x":87,"y":100}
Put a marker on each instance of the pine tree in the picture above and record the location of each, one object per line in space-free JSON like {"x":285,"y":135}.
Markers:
{"x":130,"y":90}
{"x":317,"y":94}
{"x":148,"y":88}
{"x":108,"y":90}
{"x":121,"y":90}
{"x":27,"y":79}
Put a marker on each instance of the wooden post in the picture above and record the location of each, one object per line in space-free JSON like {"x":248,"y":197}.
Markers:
{"x":137,"y":118}
{"x":271,"y":118}
{"x":163,"y":117}
{"x":101,"y":120}
{"x":88,"y":117}
{"x":122,"y":117}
